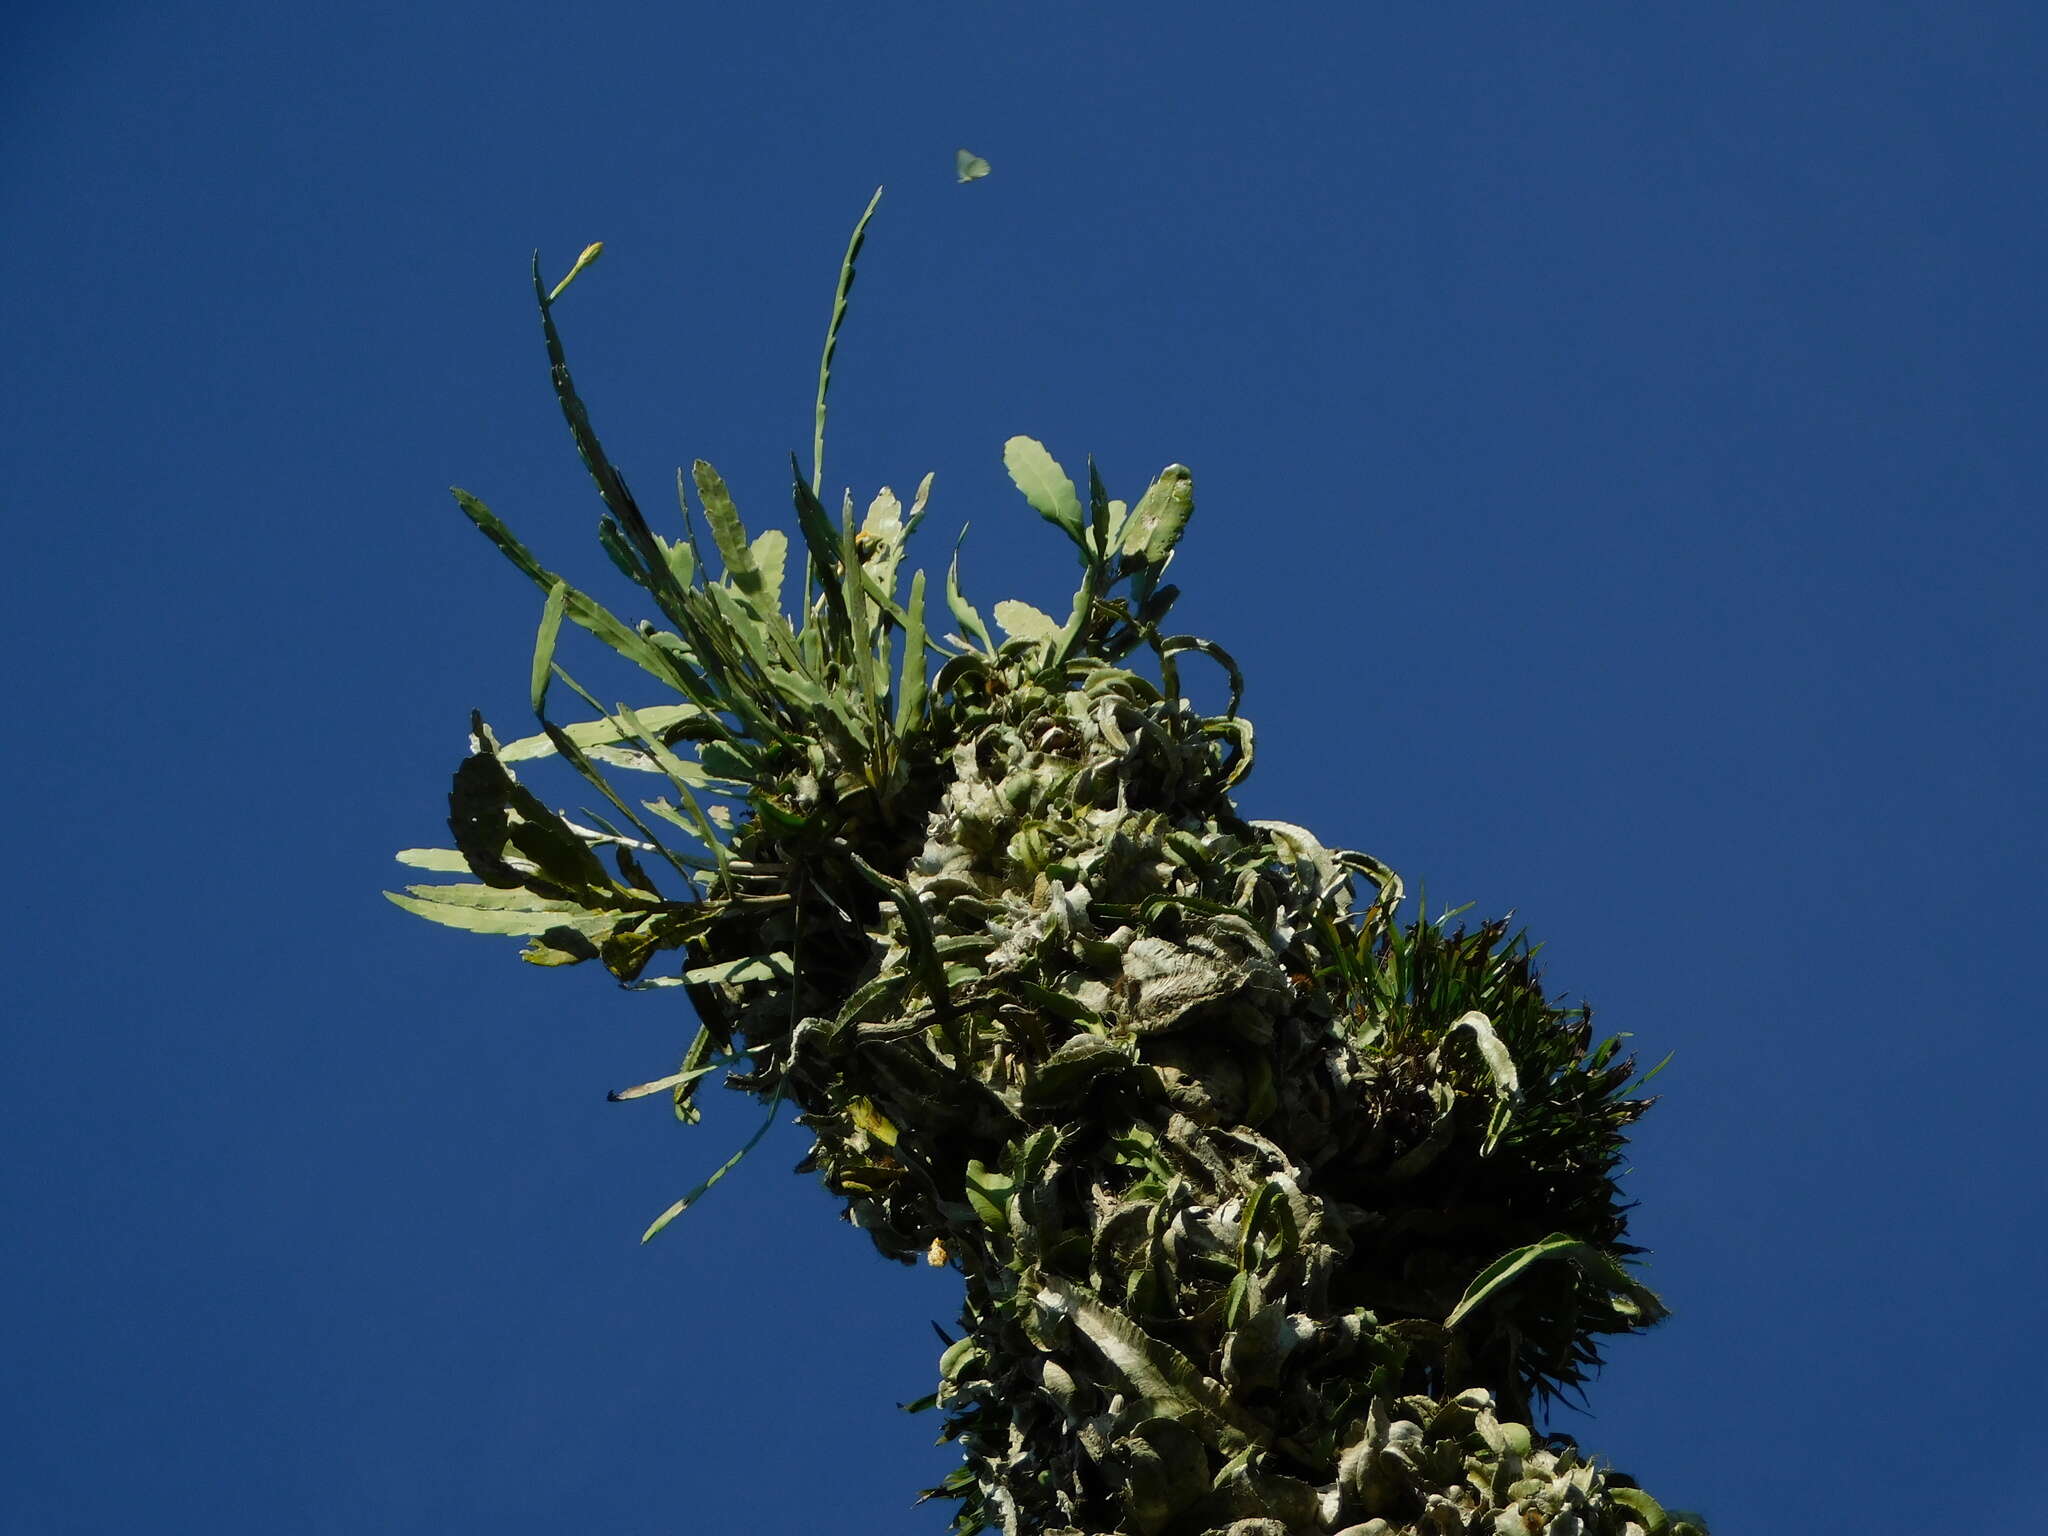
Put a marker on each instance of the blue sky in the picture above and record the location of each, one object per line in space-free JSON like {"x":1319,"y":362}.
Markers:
{"x":1614,"y":429}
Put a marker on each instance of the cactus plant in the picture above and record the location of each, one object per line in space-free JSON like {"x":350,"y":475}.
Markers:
{"x":1278,"y":1210}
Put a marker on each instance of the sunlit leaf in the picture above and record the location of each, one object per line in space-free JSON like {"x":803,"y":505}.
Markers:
{"x":770,"y":552}
{"x":660,"y":1084}
{"x":596,"y":733}
{"x":457,"y":907}
{"x":544,"y":641}
{"x":732,"y":972}
{"x":1499,"y":1064}
{"x":1021,"y":621}
{"x":728,"y":533}
{"x":971,"y":627}
{"x":447,"y":861}
{"x":1156,"y":523}
{"x":1045,"y":485}
{"x":910,"y":691}
{"x":590,"y":253}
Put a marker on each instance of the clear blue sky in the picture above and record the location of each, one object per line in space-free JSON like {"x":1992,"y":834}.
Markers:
{"x":1618,"y":439}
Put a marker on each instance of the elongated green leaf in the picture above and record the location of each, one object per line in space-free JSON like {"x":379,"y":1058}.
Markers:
{"x":873,"y":1121}
{"x":917,"y":924}
{"x":673,"y":1080}
{"x":675,"y":817}
{"x":839,"y":298}
{"x":1099,"y":506}
{"x":752,"y":968}
{"x":1645,"y":1078}
{"x":611,"y":538}
{"x":1083,"y":610}
{"x":971,"y":628}
{"x":679,"y":776}
{"x":1046,"y":486}
{"x":1492,"y":1050}
{"x":580,"y":761}
{"x":770,"y":551}
{"x":1509,"y":1267}
{"x":989,"y":1193}
{"x":599,"y":733}
{"x":581,"y":609}
{"x":447,"y":861}
{"x":880,"y":549}
{"x":1160,"y":517}
{"x":544,"y":641}
{"x":821,"y":541}
{"x":682,"y":1205}
{"x":917,"y":504}
{"x":727,"y":531}
{"x":522,"y":921}
{"x":590,"y":253}
{"x":1154,"y":1370}
{"x":852,"y":573}
{"x":760,"y":659}
{"x":696,"y":1057}
{"x":491,"y":898}
{"x":910,"y":692}
{"x":607,"y":834}
{"x":611,"y":485}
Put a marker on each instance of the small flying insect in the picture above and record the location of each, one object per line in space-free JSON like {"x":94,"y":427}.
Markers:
{"x":968,"y":166}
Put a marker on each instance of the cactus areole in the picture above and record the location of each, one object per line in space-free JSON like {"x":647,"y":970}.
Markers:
{"x":1277,"y":1211}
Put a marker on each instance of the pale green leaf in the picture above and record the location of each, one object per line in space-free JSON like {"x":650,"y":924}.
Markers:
{"x":600,"y":733}
{"x":771,"y":558}
{"x":910,"y":691}
{"x":673,"y":1080}
{"x":1493,"y":1051}
{"x":883,"y":524}
{"x":1655,"y":1521}
{"x":1021,"y":621}
{"x":1045,"y":485}
{"x":544,"y":640}
{"x":446,"y":861}
{"x":753,"y":968}
{"x":590,"y":253}
{"x":972,"y":630}
{"x":917,"y":504}
{"x":525,"y":921}
{"x":727,"y":531}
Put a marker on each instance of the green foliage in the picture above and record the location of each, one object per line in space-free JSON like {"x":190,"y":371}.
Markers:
{"x":1275,"y":1209}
